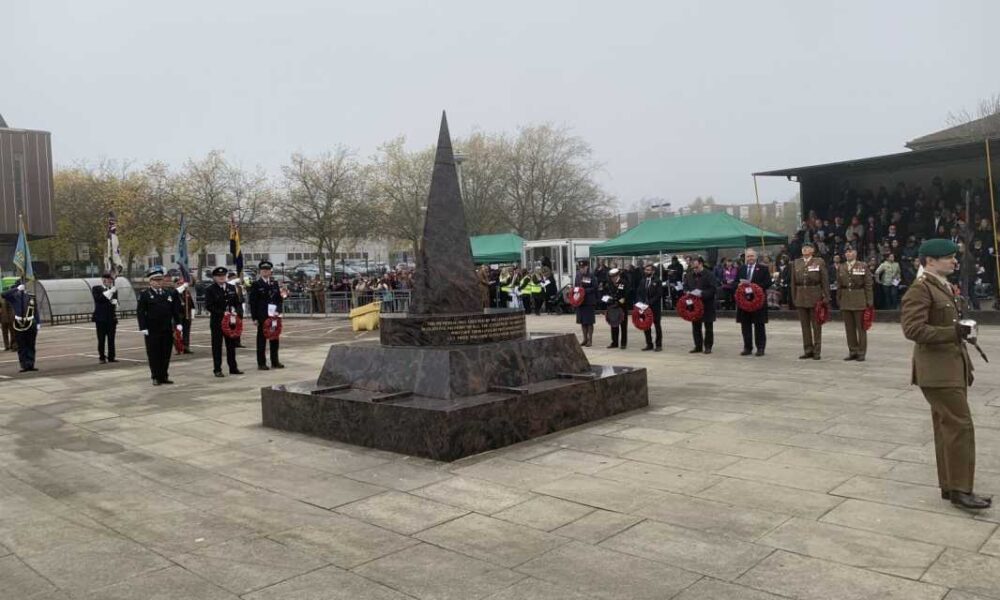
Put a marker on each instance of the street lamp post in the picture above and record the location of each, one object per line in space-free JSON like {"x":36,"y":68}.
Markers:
{"x":459,"y":159}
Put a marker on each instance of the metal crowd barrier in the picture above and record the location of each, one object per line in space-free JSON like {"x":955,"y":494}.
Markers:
{"x":336,"y":303}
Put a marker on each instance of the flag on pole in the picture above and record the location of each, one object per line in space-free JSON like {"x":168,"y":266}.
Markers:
{"x":22,"y":256}
{"x":234,"y":246}
{"x":182,"y":253}
{"x":113,"y":254}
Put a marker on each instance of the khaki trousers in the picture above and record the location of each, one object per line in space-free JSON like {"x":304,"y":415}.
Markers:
{"x":857,"y":337}
{"x":954,"y":437}
{"x":812,"y":332}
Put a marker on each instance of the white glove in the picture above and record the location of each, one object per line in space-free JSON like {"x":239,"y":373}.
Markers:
{"x":605,"y":299}
{"x":696,"y":293}
{"x":272,"y":309}
{"x":20,"y":287}
{"x":144,"y":331}
{"x":114,"y":302}
{"x":641,"y":306}
{"x":108,"y":294}
{"x":181,"y":288}
{"x":39,"y":326}
{"x":180,"y":328}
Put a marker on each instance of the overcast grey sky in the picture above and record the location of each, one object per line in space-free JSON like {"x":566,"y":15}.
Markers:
{"x":677,"y":99}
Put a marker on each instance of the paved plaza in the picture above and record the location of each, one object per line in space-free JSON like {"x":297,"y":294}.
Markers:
{"x":747,"y":478}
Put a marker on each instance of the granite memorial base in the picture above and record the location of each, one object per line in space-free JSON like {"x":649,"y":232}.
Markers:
{"x":449,"y":402}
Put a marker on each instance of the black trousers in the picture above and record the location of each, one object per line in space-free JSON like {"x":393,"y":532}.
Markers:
{"x":657,"y":313}
{"x":106,"y":336}
{"x":218,"y":339}
{"x":759,"y":337}
{"x":158,"y":346}
{"x":619,"y":335}
{"x":262,"y":346}
{"x":703,"y":341}
{"x":186,"y":333}
{"x":26,"y":347}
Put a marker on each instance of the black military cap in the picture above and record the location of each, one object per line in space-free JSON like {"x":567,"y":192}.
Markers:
{"x":265,"y":264}
{"x":219,"y":271}
{"x":154,"y":273}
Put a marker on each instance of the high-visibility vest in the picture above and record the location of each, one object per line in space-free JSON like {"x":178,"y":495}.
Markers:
{"x":530,"y":287}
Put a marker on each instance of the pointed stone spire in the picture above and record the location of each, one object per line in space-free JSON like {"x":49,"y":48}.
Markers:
{"x":445,"y":281}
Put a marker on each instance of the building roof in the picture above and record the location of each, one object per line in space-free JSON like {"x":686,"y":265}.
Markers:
{"x":3,"y":124}
{"x":891,"y":162}
{"x":977,"y":130}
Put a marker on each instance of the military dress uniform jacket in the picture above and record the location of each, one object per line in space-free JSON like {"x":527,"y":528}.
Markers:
{"x":222,"y":298}
{"x":263,"y":293}
{"x":928,"y":316}
{"x":810,"y":282}
{"x":158,"y":311}
{"x":854,"y":286}
{"x":621,"y":293}
{"x":104,"y":308}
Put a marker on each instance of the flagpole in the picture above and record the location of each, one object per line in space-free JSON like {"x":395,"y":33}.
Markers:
{"x":993,"y":212}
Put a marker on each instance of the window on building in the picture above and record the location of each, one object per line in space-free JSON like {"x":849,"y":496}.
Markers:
{"x":229,"y":259}
{"x":210,"y":259}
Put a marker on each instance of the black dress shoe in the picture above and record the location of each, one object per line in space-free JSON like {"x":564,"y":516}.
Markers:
{"x":658,"y":349}
{"x":815,"y":356}
{"x":167,"y":382}
{"x":188,"y":352}
{"x":263,"y":368}
{"x":156,"y":382}
{"x":102,"y":360}
{"x":746,"y":352}
{"x":850,"y":357}
{"x":695,"y":351}
{"x":218,"y":373}
{"x":806,"y":355}
{"x":236,"y":372}
{"x":970,"y":501}
{"x":612,"y":345}
{"x":622,"y":347}
{"x":31,"y":369}
{"x":945,"y":495}
{"x":860,"y":359}
{"x":647,"y":348}
{"x":112,"y":360}
{"x":277,"y":366}
{"x":760,"y":353}
{"x":708,"y":350}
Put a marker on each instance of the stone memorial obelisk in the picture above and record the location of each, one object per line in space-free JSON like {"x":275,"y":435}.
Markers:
{"x":449,"y":378}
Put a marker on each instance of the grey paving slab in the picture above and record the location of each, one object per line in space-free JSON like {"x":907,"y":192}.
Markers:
{"x":243,"y":565}
{"x":709,"y":554}
{"x":34,"y":535}
{"x":842,"y":445}
{"x":597,"y":526}
{"x":329,"y":583}
{"x":403,"y":513}
{"x":967,"y":571}
{"x":834,"y":461}
{"x":682,"y":458}
{"x":474,"y":494}
{"x":18,"y":581}
{"x":344,"y":541}
{"x":897,"y":493}
{"x":333,"y":460}
{"x":544,"y":512}
{"x":597,"y":444}
{"x":180,"y":531}
{"x":713,"y":589}
{"x":512,"y":473}
{"x":712,"y":517}
{"x":673,"y":422}
{"x":429,"y":572}
{"x":599,"y":493}
{"x":84,"y":567}
{"x":659,"y":478}
{"x":874,"y":551}
{"x":991,"y":546}
{"x":536,"y":589}
{"x":732,"y":446}
{"x":400,"y":475}
{"x":906,"y":523}
{"x":606,"y":574}
{"x":775,"y":498}
{"x":492,"y":540}
{"x":803,"y":478}
{"x":310,"y":485}
{"x":803,"y":578}
{"x":587,"y":463}
{"x":172,"y":583}
{"x":645,"y":434}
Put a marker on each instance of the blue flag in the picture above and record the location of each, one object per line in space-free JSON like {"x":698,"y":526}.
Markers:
{"x":22,"y":256}
{"x":182,"y":252}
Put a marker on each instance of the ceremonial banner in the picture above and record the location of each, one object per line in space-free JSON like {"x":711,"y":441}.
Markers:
{"x":234,"y":246}
{"x":182,"y":252}
{"x":22,"y":256}
{"x":113,"y":254}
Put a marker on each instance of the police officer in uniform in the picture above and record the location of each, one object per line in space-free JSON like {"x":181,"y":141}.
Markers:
{"x":27,"y":322}
{"x":222,"y":299}
{"x":158,"y":310}
{"x":854,"y":295}
{"x":265,"y":301}
{"x":941,"y":367}
{"x":700,"y":282}
{"x":187,"y":313}
{"x":810,"y":284}
{"x":619,"y":306}
{"x":585,"y":313}
{"x":106,"y":317}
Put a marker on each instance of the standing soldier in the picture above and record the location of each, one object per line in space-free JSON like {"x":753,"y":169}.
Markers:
{"x":941,"y":367}
{"x":753,"y":324}
{"x":222,"y":301}
{"x":585,"y":313}
{"x":619,"y":306}
{"x":27,"y":322}
{"x":7,"y":325}
{"x":106,"y":316}
{"x":187,"y":312}
{"x":265,"y":301}
{"x":650,"y":292}
{"x":854,"y":295}
{"x":810,"y":284}
{"x":158,"y":311}
{"x":700,"y":282}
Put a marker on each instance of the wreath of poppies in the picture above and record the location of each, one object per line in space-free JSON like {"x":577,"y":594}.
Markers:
{"x":690,"y":308}
{"x":576,"y":296}
{"x":232,"y":325}
{"x":752,"y":301}
{"x":642,"y":319}
{"x":821,"y":312}
{"x":178,"y":342}
{"x":868,"y":317}
{"x":272,"y":328}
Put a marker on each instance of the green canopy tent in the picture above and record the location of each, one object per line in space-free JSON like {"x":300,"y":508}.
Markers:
{"x":692,"y":232}
{"x":496,"y":248}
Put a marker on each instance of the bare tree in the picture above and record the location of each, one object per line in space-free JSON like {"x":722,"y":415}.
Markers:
{"x":324,"y":200}
{"x":483,"y":171}
{"x":400,"y":182}
{"x":979,"y":130}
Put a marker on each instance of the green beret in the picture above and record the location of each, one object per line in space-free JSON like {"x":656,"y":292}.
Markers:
{"x":937,"y":247}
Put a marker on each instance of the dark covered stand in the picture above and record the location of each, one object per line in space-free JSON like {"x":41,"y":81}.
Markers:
{"x":450,"y":379}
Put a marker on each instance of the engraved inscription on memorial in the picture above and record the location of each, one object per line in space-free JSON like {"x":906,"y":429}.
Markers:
{"x":475,"y":329}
